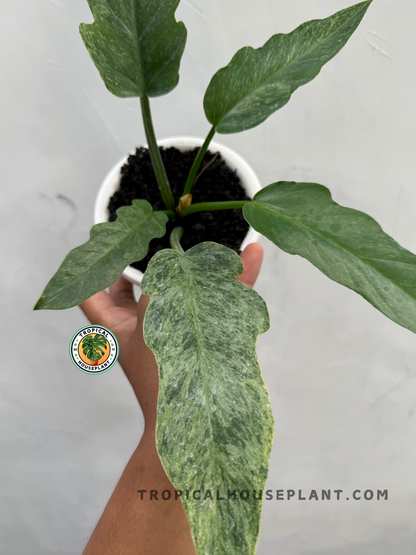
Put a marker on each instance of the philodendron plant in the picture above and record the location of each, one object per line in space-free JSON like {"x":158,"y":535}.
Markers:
{"x":215,"y":423}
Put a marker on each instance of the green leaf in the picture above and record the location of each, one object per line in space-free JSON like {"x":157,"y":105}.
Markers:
{"x":257,"y":82}
{"x":91,"y":347}
{"x":346,"y":245}
{"x":136,"y":45}
{"x":98,"y":263}
{"x":101,"y":340}
{"x":215,"y":423}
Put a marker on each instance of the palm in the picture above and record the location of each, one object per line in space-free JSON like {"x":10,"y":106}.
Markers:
{"x":123,"y":318}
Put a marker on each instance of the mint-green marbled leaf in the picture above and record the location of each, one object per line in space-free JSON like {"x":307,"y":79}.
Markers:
{"x":215,"y":423}
{"x":257,"y":82}
{"x":136,"y":45}
{"x":100,"y":261}
{"x":346,"y":245}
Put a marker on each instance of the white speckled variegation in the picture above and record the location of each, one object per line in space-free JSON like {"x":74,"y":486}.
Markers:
{"x":348,"y":246}
{"x":257,"y":82}
{"x":99,"y":262}
{"x":215,"y":422}
{"x":136,"y":45}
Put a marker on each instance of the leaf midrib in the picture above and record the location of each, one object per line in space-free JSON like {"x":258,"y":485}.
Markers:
{"x":134,"y":36}
{"x":137,"y":44}
{"x":287,"y":65}
{"x":200,"y":349}
{"x":336,"y":243}
{"x":195,"y":323}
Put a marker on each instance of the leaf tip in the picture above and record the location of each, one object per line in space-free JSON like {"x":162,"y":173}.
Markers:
{"x":366,"y":4}
{"x":40,"y":304}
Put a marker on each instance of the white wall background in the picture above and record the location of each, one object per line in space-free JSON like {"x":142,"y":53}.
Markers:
{"x":341,"y":376}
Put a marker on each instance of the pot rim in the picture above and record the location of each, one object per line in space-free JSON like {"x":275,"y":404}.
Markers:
{"x":110,"y":184}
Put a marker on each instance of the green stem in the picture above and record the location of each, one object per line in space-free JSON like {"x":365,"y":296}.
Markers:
{"x":175,"y":239}
{"x":157,"y":162}
{"x":170,"y":214}
{"x":197,"y":163}
{"x":208,"y":206}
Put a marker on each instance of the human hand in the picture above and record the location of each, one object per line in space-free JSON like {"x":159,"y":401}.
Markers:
{"x":119,"y":312}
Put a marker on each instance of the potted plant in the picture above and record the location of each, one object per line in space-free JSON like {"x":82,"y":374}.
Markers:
{"x":215,"y":423}
{"x":228,"y":175}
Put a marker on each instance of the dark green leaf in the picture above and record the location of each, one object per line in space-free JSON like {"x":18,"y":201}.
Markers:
{"x":346,"y":245}
{"x":257,"y":82}
{"x":98,"y":263}
{"x":215,"y":423}
{"x":91,"y":347}
{"x":136,"y":45}
{"x":100,"y":340}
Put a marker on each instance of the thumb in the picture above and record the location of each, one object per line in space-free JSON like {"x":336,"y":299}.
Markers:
{"x":252,"y":258}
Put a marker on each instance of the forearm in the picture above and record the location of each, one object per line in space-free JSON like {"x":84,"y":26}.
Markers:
{"x":140,"y":368}
{"x":131,"y":525}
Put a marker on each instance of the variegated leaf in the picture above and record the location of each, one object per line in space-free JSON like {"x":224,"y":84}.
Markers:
{"x":257,"y":82}
{"x":346,"y":245}
{"x":100,"y":261}
{"x":136,"y":45}
{"x":215,"y":423}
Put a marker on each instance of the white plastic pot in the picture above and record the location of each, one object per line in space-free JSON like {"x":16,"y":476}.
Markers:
{"x":111,"y":183}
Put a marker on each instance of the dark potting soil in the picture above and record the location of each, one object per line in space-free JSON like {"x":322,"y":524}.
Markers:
{"x":217,"y":183}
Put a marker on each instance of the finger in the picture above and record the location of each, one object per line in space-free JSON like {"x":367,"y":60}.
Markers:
{"x":252,"y":258}
{"x":122,"y":294}
{"x":97,"y":307}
